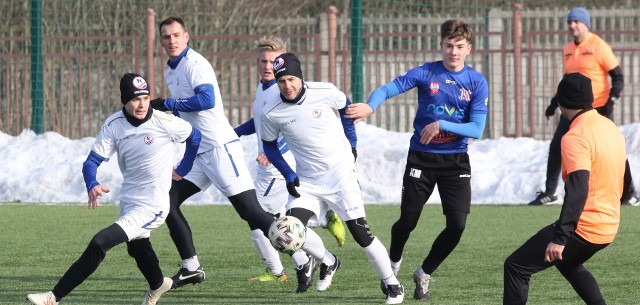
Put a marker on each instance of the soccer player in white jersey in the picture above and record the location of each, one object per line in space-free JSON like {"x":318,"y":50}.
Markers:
{"x":195,"y":97}
{"x":143,"y":140}
{"x":270,"y":185}
{"x":305,"y":115}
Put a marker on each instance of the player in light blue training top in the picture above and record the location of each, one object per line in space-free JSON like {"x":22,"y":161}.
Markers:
{"x":452,"y":107}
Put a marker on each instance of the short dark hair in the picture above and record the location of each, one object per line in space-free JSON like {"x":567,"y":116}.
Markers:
{"x":171,"y":20}
{"x":456,"y":29}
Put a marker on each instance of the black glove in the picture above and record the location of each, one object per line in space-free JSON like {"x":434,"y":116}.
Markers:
{"x":158,"y":104}
{"x":551,"y":110}
{"x":354,"y":151}
{"x":607,"y":109}
{"x":291,"y":187}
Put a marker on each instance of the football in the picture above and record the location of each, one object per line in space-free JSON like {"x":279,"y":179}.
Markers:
{"x":287,"y":234}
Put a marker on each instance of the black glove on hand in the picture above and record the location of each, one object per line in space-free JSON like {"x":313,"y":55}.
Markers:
{"x":551,"y":110}
{"x":291,"y":187}
{"x":354,"y":151}
{"x":607,"y":109}
{"x":158,"y":104}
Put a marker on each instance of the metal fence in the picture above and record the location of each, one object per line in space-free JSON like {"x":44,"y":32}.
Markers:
{"x":517,"y":47}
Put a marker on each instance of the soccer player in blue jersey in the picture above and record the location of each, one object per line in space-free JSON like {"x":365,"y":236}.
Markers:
{"x":452,"y":107}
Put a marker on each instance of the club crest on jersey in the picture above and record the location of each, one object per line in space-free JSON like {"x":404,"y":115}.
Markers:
{"x":140,"y":83}
{"x":465,"y":95}
{"x":148,"y":139}
{"x":317,"y":113}
{"x":434,"y":87}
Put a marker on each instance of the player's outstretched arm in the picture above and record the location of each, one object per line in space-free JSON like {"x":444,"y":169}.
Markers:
{"x":360,"y":111}
{"x":203,"y":100}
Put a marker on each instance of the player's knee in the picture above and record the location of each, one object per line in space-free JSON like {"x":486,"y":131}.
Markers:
{"x":360,"y":231}
{"x":508,"y":265}
{"x":98,"y":247}
{"x":456,"y":228}
{"x":106,"y":239}
{"x":140,"y":248}
{"x":407,"y":222}
{"x":456,"y":222}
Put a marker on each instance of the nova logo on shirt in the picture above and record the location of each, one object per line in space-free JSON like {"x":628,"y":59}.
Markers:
{"x":434,"y":87}
{"x":148,"y":139}
{"x":317,"y":113}
{"x":451,"y":112}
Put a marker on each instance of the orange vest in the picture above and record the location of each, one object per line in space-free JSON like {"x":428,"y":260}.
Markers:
{"x":594,"y":143}
{"x":594,"y":59}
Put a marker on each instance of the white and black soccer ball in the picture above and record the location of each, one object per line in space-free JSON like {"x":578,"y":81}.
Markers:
{"x":287,"y":234}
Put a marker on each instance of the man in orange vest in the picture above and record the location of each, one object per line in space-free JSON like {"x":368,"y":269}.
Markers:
{"x":595,"y":175}
{"x":591,"y":56}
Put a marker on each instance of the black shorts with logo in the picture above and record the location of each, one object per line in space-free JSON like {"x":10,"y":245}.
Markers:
{"x":452,"y":174}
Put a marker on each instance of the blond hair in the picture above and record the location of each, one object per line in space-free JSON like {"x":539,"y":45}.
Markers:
{"x":271,"y":43}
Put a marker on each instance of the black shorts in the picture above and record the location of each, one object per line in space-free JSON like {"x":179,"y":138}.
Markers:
{"x":452,"y":174}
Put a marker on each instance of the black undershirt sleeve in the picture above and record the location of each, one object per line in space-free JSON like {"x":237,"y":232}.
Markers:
{"x":617,"y":82}
{"x":575,"y":198}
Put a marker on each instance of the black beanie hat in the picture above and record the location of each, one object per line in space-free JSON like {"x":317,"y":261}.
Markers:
{"x":132,"y":85}
{"x":574,"y":92}
{"x":287,"y":64}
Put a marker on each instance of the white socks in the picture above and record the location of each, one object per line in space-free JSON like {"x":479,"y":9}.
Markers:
{"x":377,"y":255}
{"x":192,"y":263}
{"x":269,"y":255}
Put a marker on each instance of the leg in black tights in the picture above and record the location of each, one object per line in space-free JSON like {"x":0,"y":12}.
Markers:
{"x":554,"y":161}
{"x":446,"y":241}
{"x":176,"y":222}
{"x":247,"y":206}
{"x":147,"y":261}
{"x":90,"y":259}
{"x":400,"y":232}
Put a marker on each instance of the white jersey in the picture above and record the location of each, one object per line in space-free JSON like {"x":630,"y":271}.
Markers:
{"x":192,"y":71}
{"x":313,"y":131}
{"x":262,"y":97}
{"x":145,"y":157}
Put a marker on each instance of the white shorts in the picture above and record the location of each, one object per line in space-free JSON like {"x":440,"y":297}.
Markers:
{"x":138,"y":223}
{"x":342,"y":195}
{"x":272,"y":193}
{"x":273,"y":196}
{"x":223,"y":166}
